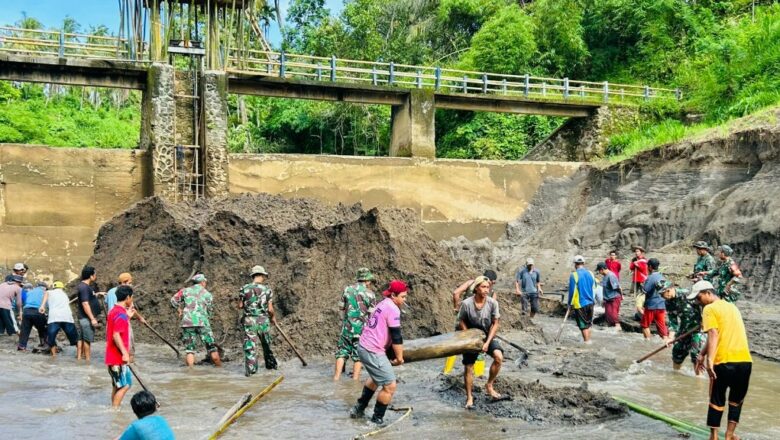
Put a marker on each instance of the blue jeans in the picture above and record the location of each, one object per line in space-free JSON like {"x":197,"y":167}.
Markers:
{"x":68,"y":327}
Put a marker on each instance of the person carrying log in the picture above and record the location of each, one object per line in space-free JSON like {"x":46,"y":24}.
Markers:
{"x":381,"y":335}
{"x":683,"y":316}
{"x":357,"y":302}
{"x":256,"y":302}
{"x":481,"y":312}
{"x":193,"y":305}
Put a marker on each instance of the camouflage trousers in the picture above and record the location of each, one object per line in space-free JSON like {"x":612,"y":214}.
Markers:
{"x":257,"y":331}
{"x":346,"y":348}
{"x":191,"y":335}
{"x":691,"y":345}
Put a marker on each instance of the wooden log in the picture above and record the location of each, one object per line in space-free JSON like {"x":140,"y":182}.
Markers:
{"x":447,"y":344}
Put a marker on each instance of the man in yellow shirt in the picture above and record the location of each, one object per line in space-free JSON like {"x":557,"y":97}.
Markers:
{"x":727,"y":357}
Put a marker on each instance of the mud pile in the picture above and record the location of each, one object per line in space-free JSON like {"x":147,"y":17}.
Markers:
{"x":534,"y":402}
{"x":311,"y":251}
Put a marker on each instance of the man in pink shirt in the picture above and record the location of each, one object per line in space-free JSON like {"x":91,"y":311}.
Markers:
{"x":9,"y":291}
{"x":118,"y":344}
{"x":381,"y":333}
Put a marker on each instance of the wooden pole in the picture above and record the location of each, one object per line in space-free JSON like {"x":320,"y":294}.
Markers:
{"x":140,"y":382}
{"x":447,"y":344}
{"x":178,"y":355}
{"x":281,"y":332}
{"x":560,"y":330}
{"x":652,"y":353}
{"x":234,"y":409}
{"x":221,"y":430}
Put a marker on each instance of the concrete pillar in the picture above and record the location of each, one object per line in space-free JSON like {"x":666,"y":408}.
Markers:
{"x":158,"y":111}
{"x":413,"y":125}
{"x":215,"y":133}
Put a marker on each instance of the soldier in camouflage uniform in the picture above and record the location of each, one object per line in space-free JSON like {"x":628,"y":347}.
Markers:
{"x":194,"y":307}
{"x":255,"y":299}
{"x":684,"y":316}
{"x":728,"y":274}
{"x":357,"y":302}
{"x":704,"y":263}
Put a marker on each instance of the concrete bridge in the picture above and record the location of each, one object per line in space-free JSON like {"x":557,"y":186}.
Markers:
{"x":413,"y":92}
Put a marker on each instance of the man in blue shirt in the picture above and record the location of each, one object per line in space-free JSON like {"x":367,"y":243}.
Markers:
{"x":32,"y":317}
{"x":148,"y":426}
{"x":655,"y":304}
{"x":581,"y":286}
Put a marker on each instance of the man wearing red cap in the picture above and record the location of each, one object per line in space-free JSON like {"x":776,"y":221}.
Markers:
{"x":381,"y":333}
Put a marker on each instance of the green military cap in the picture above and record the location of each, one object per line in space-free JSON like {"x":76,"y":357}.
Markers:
{"x":199,"y":278}
{"x":258,"y":270}
{"x":726,"y":249}
{"x":663,"y":285}
{"x":364,"y":274}
{"x":701,"y":245}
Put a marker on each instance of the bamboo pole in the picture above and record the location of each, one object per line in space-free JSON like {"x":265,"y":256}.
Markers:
{"x":221,"y":430}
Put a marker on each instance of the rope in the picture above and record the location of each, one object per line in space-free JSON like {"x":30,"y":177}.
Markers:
{"x":408,"y":410}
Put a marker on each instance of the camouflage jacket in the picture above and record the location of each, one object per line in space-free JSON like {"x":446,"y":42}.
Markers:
{"x":705,"y":263}
{"x":724,"y":274}
{"x":356,"y":302}
{"x":197,"y":303}
{"x":683,"y":315}
{"x":255,"y":298}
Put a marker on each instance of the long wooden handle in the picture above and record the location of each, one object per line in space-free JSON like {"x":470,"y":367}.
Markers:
{"x":224,"y":426}
{"x":140,"y":382}
{"x":281,"y":332}
{"x":178,"y":355}
{"x":684,"y":335}
{"x":523,"y":350}
{"x":560,"y":330}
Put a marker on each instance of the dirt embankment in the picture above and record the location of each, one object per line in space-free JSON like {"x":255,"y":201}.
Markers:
{"x":722,"y":188}
{"x":310,"y":250}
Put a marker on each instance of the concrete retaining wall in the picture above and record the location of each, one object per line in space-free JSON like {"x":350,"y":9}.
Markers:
{"x":53,"y":200}
{"x":453,"y":197}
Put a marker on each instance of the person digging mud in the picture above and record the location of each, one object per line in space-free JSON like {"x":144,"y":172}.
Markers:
{"x":728,"y":273}
{"x":467,"y":288}
{"x":194,"y":306}
{"x":357,"y":302}
{"x":381,"y":335}
{"x":727,"y":359}
{"x":581,"y":287}
{"x":613,"y":294}
{"x":528,"y":286}
{"x":256,"y":301}
{"x":705,"y":262}
{"x":480,"y":311}
{"x":683,"y":316}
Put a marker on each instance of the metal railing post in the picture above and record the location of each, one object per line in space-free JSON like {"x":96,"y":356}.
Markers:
{"x":566,"y":89}
{"x":582,"y":91}
{"x":527,"y":81}
{"x":622,"y":94}
{"x":606,"y":91}
{"x":319,"y":71}
{"x":419,"y":79}
{"x":62,"y":44}
{"x":391,"y":80}
{"x":268,"y":66}
{"x":678,"y":94}
{"x":373,"y":75}
{"x":647,"y":93}
{"x":282,"y":66}
{"x":333,"y":68}
{"x":503,"y":85}
{"x":437,"y":81}
{"x":465,"y":85}
{"x":544,"y":89}
{"x":484,"y":83}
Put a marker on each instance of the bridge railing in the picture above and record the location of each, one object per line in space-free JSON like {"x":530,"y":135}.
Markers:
{"x":337,"y":70}
{"x":47,"y":43}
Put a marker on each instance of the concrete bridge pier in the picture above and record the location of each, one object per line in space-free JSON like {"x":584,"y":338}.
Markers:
{"x":215,"y":132}
{"x":413,"y":126}
{"x":158,"y":113}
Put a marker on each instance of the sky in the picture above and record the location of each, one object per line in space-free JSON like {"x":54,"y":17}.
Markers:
{"x":95,"y":12}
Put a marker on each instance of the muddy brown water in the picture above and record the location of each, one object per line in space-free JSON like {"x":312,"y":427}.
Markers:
{"x":62,"y":399}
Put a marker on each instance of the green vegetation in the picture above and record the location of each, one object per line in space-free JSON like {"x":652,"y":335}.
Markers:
{"x":723,"y":55}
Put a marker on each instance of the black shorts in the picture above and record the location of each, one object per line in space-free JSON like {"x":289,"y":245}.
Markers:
{"x":471,"y":358}
{"x":734,"y":377}
{"x":584,"y":317}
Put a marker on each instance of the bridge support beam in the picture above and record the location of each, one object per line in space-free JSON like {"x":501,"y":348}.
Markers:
{"x":412,"y":123}
{"x":215,"y":113}
{"x":158,"y":113}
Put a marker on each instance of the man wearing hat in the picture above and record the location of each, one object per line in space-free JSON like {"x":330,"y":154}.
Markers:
{"x":683,"y":316}
{"x":528,"y":286}
{"x":581,"y":287}
{"x":357,"y":302}
{"x":704,"y":263}
{"x":256,"y":302}
{"x":381,"y":337}
{"x":9,"y":291}
{"x":18,"y":269}
{"x":60,"y":316}
{"x":194,"y":306}
{"x":727,"y":359}
{"x":638,"y":267}
{"x":728,"y":273}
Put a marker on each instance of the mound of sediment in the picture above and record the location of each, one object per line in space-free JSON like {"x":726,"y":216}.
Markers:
{"x":311,"y":251}
{"x":534,"y":402}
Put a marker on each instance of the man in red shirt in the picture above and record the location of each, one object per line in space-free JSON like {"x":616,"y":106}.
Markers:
{"x":118,"y":344}
{"x":639,"y":268}
{"x":613,"y":264}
